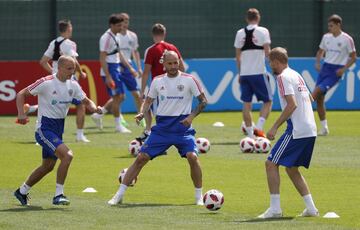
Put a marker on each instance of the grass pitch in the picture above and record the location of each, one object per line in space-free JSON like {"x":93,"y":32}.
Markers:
{"x":163,"y":196}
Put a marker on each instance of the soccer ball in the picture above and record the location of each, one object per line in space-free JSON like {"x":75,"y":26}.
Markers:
{"x":134,"y":147}
{"x":247,"y":145}
{"x":262,"y":145}
{"x":213,"y":200}
{"x":122,"y":175}
{"x":202,"y":144}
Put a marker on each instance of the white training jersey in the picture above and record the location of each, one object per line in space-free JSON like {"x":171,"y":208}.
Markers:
{"x":290,"y":82}
{"x":108,"y":43}
{"x":67,"y":47}
{"x":337,"y":49}
{"x":128,"y":43}
{"x":252,"y":61}
{"x":55,"y":96}
{"x":175,"y":94}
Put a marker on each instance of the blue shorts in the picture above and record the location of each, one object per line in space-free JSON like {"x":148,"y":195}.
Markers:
{"x":128,"y":79}
{"x":327,"y":77}
{"x":290,"y":152}
{"x":157,"y":144}
{"x":255,"y":84}
{"x":49,"y":141}
{"x":114,"y":70}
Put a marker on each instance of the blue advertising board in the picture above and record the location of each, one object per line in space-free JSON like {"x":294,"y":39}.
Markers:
{"x":219,"y":79}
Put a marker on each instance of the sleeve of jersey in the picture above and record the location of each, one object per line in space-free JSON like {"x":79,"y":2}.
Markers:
{"x":238,"y":43}
{"x":69,"y":49}
{"x":267,"y":39}
{"x":79,"y":93}
{"x":36,"y":87}
{"x":350,"y":45}
{"x":104,"y":43}
{"x":136,"y":42}
{"x":50,"y":50}
{"x":148,"y":57}
{"x":322,"y":43}
{"x":285,"y":86}
{"x":196,"y":88}
{"x":152,"y":91}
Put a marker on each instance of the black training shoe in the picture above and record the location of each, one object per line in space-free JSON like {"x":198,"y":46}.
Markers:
{"x":61,"y":200}
{"x":142,"y":138}
{"x":22,"y":198}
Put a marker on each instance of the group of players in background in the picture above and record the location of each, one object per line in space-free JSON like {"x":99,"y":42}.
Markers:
{"x":172,"y":90}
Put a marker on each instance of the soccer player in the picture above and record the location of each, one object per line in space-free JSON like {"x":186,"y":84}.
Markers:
{"x":55,"y":94}
{"x":110,"y":58}
{"x":294,"y":148}
{"x":62,"y":45}
{"x":153,"y":59}
{"x":175,"y":90}
{"x":337,"y":47}
{"x":128,"y":44}
{"x":252,"y":45}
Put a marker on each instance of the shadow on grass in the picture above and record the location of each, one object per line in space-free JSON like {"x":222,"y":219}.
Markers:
{"x":145,"y":205}
{"x":225,"y":143}
{"x":258,"y":220}
{"x":127,"y":156}
{"x":25,"y":142}
{"x":34,"y":208}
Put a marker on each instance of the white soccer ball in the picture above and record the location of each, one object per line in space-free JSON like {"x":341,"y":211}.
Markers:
{"x":247,"y":145}
{"x":213,"y":200}
{"x":134,"y":147}
{"x":202,"y":144}
{"x":262,"y":145}
{"x":122,"y":175}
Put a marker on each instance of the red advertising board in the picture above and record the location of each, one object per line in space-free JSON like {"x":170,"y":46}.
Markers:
{"x":16,"y":75}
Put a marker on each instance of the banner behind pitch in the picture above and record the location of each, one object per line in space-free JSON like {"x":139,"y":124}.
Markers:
{"x":218,"y":77}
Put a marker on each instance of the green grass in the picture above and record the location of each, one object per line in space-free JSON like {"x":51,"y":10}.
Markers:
{"x":163,"y":195}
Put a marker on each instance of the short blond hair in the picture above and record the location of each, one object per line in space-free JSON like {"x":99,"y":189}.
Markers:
{"x":279,"y":54}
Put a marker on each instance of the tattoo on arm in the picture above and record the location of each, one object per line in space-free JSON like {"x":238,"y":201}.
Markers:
{"x":202,"y":104}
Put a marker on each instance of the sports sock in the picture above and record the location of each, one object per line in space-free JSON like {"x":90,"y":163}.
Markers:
{"x":104,"y":111}
{"x":275,"y":202}
{"x":122,"y":190}
{"x":260,"y":123}
{"x":24,"y":189}
{"x":250,"y":131}
{"x":79,"y":133}
{"x":198,"y":193}
{"x":309,"y":202}
{"x":33,"y":108}
{"x":117,"y":122}
{"x":324,"y":123}
{"x":59,"y":189}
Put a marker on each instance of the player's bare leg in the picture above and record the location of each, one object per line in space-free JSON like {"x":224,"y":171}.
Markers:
{"x":302,"y":187}
{"x":116,"y":104}
{"x":247,"y":118}
{"x":65,"y":156}
{"x":196,"y":176}
{"x":319,"y":97}
{"x":273,"y":178}
{"x":132,"y":172}
{"x":46,"y":167}
{"x":80,"y":122}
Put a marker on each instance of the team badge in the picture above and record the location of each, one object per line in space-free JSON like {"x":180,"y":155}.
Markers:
{"x":53,"y":102}
{"x":162,"y":97}
{"x":180,"y":87}
{"x":70,"y":92}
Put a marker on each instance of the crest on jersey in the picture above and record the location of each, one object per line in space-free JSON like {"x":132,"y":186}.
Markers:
{"x":70,"y":92}
{"x":53,"y":102}
{"x":180,"y":87}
